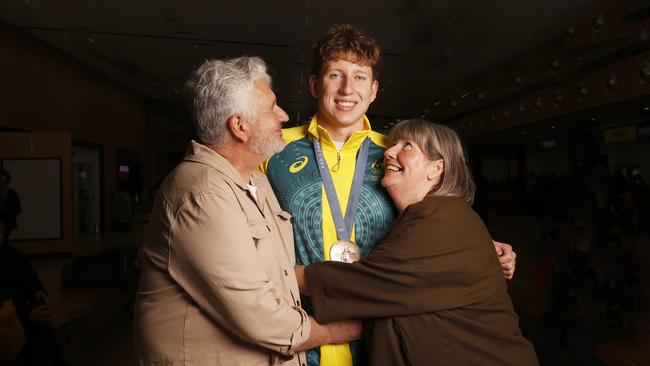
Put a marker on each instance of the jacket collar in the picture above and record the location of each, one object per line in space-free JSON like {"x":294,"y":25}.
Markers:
{"x":319,"y":132}
{"x":197,"y":152}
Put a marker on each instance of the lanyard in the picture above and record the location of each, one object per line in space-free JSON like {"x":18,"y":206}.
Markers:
{"x":343,"y":225}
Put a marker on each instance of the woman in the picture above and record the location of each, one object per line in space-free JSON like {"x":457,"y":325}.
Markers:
{"x":433,"y":289}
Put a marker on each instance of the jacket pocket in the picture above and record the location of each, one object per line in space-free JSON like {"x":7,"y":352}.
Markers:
{"x":285,"y":224}
{"x":285,"y":216}
{"x":259,"y":229}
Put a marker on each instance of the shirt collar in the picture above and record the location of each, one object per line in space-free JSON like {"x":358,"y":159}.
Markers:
{"x":319,"y":132}
{"x":200,"y":153}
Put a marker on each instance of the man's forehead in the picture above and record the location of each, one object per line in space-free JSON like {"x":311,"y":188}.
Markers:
{"x":264,"y":90}
{"x":263,"y":86}
{"x":358,"y":62}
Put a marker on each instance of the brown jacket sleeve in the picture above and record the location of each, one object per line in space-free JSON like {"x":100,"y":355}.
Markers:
{"x":438,"y":255}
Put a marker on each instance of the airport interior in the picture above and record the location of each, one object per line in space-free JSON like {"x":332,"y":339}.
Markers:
{"x":551,"y":100}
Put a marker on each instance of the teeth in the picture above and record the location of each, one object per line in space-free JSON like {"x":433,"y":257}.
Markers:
{"x":346,"y":104}
{"x":393,"y":168}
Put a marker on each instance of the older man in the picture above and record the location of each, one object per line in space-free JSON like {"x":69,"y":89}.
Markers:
{"x":217,"y":286}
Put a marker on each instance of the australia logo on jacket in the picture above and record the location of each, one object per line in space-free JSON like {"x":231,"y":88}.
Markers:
{"x":376,"y":170}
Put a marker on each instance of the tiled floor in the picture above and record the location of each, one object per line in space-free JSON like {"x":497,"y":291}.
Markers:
{"x":66,"y":303}
{"x":634,"y":351}
{"x":93,"y":325}
{"x":108,"y":345}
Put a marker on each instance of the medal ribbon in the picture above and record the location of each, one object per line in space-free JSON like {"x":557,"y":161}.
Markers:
{"x":343,"y":225}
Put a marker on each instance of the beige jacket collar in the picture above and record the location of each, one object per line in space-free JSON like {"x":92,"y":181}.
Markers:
{"x":200,"y":153}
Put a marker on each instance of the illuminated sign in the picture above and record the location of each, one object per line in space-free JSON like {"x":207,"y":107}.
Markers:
{"x":619,"y":134}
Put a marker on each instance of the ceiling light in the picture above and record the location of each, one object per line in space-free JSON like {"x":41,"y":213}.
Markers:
{"x":571,"y":31}
{"x":598,"y":23}
{"x":612,"y":81}
{"x":521,"y":108}
{"x":583,"y":90}
{"x":645,"y":74}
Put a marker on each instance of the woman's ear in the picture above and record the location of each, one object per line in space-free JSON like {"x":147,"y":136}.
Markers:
{"x":436,"y":169}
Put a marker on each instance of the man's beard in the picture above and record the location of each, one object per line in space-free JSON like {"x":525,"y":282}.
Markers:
{"x":265,"y":145}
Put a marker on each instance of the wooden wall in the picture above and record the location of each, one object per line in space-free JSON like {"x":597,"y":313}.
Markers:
{"x":43,"y":89}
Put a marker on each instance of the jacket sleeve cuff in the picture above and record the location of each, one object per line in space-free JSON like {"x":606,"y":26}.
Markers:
{"x":301,"y":334}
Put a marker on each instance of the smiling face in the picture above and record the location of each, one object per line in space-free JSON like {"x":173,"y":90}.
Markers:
{"x":344,"y":91}
{"x":409,"y":173}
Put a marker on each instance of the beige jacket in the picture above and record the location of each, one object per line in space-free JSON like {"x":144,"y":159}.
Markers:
{"x":218,"y":287}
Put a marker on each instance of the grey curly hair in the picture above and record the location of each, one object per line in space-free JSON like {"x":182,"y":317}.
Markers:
{"x":219,"y":89}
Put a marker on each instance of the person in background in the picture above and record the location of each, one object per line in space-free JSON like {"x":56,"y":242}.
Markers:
{"x":22,"y":293}
{"x":122,"y":209}
{"x":9,"y":205}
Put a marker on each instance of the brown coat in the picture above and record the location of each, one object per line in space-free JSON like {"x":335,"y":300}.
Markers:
{"x":218,"y":287}
{"x":433,"y":291}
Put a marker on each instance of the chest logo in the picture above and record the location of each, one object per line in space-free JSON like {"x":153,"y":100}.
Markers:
{"x":377,"y":168}
{"x":298,"y":165}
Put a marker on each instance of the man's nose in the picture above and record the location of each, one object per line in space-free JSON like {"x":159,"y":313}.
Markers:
{"x":283,"y":117}
{"x":346,"y":86}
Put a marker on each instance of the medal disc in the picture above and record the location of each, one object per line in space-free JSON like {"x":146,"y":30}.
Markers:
{"x":345,"y":251}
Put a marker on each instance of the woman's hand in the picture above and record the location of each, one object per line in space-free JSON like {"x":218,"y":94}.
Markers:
{"x":507,"y":258}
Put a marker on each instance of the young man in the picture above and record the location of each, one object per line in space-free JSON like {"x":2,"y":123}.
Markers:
{"x":340,"y":211}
